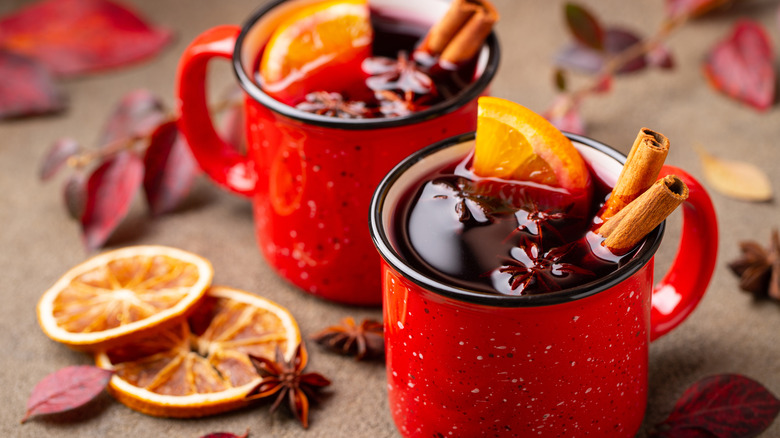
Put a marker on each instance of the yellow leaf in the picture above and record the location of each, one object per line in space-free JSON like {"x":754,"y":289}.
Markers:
{"x":735,"y":179}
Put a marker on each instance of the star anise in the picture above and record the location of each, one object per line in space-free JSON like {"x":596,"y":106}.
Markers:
{"x":333,"y":104}
{"x":364,"y":341}
{"x":530,"y":267}
{"x":286,"y":380}
{"x":392,"y":104}
{"x":402,"y":74}
{"x":471,"y":202}
{"x":536,"y":220}
{"x":759,"y":268}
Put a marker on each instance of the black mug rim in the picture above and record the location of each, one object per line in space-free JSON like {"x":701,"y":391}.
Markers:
{"x":396,"y":261}
{"x":471,"y":92}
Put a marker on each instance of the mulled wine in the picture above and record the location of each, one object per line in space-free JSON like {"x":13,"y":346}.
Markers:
{"x":503,"y":236}
{"x":391,"y":78}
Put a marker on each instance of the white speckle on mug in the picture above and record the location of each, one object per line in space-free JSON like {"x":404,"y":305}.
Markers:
{"x":475,"y":390}
{"x":400,"y":325}
{"x":479,"y":357}
{"x":410,"y":384}
{"x":576,"y":317}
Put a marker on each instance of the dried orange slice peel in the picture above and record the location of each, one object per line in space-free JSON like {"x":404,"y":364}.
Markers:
{"x":121,"y":294}
{"x":515,"y":143}
{"x":317,"y":35}
{"x":201,"y":367}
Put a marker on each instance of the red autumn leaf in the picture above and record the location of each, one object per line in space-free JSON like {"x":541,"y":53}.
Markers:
{"x":75,"y":194}
{"x":72,"y":37}
{"x":564,"y":114}
{"x":741,"y":66}
{"x":27,"y":87}
{"x":584,"y":26}
{"x":170,"y":169}
{"x":66,"y":389}
{"x":578,"y":57}
{"x":660,"y":56}
{"x":603,"y":85}
{"x":676,"y":8}
{"x":725,"y":406}
{"x":56,"y":157}
{"x":618,"y":40}
{"x":137,"y":115}
{"x":110,"y":191}
{"x":226,"y":435}
{"x":587,"y":60}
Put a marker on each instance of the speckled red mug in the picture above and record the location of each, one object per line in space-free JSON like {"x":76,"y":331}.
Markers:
{"x":310,"y":176}
{"x":462,"y":363}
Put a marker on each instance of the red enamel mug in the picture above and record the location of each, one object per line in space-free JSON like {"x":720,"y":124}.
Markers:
{"x":465,"y":363}
{"x":311,"y":177}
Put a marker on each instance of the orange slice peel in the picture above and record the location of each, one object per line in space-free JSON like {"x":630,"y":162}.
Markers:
{"x":201,"y":367}
{"x":313,"y":44}
{"x":513,"y":142}
{"x":120,"y":294}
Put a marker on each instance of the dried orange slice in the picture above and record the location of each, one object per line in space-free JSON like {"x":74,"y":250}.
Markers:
{"x":514,"y":142}
{"x":321,"y":44}
{"x":122,"y":293}
{"x":201,"y":367}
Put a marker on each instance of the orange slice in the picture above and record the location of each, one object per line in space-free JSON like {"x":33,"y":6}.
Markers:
{"x":201,"y":367}
{"x":514,"y":142}
{"x":321,"y":44}
{"x":122,"y":293}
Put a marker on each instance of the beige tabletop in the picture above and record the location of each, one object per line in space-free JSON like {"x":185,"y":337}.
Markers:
{"x":729,"y":332}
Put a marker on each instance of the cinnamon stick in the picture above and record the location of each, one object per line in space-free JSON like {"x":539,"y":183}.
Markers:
{"x":643,"y":214}
{"x":642,"y":166}
{"x":460,"y":33}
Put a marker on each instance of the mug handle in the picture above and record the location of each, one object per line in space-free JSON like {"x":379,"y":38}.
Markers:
{"x":221,"y":162}
{"x":675,"y":297}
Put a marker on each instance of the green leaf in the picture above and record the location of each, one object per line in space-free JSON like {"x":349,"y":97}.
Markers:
{"x":584,"y":26}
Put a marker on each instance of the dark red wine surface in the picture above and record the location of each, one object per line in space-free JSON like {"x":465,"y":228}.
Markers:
{"x":499,"y":236}
{"x":422,"y":84}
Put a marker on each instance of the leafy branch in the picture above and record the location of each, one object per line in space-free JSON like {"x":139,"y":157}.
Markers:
{"x":740,"y":66}
{"x":140,"y":148}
